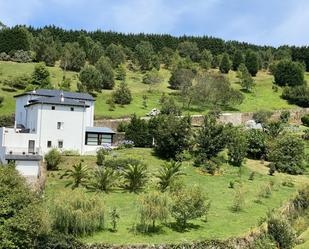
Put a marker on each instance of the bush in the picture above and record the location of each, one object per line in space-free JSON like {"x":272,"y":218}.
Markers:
{"x":168,"y":174}
{"x":288,"y":154}
{"x":180,"y":77}
{"x":122,"y":126}
{"x":189,"y":203}
{"x":18,"y":82}
{"x":298,"y":95}
{"x":6,"y":120}
{"x":135,"y":177}
{"x":256,"y":144}
{"x":22,"y":56}
{"x":56,"y":240}
{"x":90,"y":79}
{"x":138,"y":132}
{"x":4,"y":56}
{"x":305,"y":120}
{"x":152,"y":77}
{"x":53,"y":159}
{"x":121,"y":163}
{"x":152,"y":207}
{"x":41,"y":76}
{"x":301,"y":201}
{"x":21,"y":211}
{"x":122,"y":95}
{"x":77,"y":213}
{"x":281,"y":231}
{"x":103,"y":179}
{"x":237,"y":146}
{"x":289,"y":73}
{"x":239,"y":200}
{"x":101,"y":156}
{"x":225,"y":64}
{"x":262,"y":117}
{"x":305,"y":136}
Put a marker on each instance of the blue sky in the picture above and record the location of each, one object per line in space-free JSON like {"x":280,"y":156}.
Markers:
{"x":271,"y":22}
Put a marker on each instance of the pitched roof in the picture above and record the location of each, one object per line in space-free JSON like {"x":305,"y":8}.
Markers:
{"x":57,"y":101}
{"x":55,"y":93}
{"x":100,"y":130}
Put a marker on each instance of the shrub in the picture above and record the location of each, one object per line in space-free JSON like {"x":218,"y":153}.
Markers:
{"x":21,"y":212}
{"x":256,"y":144}
{"x":152,"y":77}
{"x":180,"y":77}
{"x":77,"y":213}
{"x":114,"y":217}
{"x":104,"y":66}
{"x":4,"y":56}
{"x":90,"y":78}
{"x":138,"y":132}
{"x":169,"y":106}
{"x":281,"y":231}
{"x":152,"y":207}
{"x":239,"y":200}
{"x":298,"y":95}
{"x":210,"y":166}
{"x":237,"y":146}
{"x":305,"y":136}
{"x":189,"y":203}
{"x":225,"y":64}
{"x":19,"y":82}
{"x":285,"y":116}
{"x":305,"y":120}
{"x":246,"y":80}
{"x":57,"y":240}
{"x":22,"y":56}
{"x":79,"y":175}
{"x":53,"y":159}
{"x":289,"y":73}
{"x":262,"y":116}
{"x":135,"y":177}
{"x":101,"y":156}
{"x":103,"y":179}
{"x":41,"y":76}
{"x":168,"y":173}
{"x":287,"y":154}
{"x":122,"y":95}
{"x":121,"y":163}
{"x":122,"y":126}
{"x":125,"y":144}
{"x":121,"y":72}
{"x":301,"y":201}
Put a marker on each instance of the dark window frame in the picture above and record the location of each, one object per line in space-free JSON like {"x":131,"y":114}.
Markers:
{"x":49,"y":144}
{"x":60,"y":141}
{"x":99,"y":138}
{"x":53,"y":107}
{"x":72,"y":109}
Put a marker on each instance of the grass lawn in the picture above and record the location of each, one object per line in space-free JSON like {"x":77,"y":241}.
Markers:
{"x":263,"y":97}
{"x":222,"y":221}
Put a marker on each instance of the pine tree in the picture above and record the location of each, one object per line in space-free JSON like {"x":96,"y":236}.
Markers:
{"x":225,"y":64}
{"x":252,"y":62}
{"x":238,"y":59}
{"x":246,"y":80}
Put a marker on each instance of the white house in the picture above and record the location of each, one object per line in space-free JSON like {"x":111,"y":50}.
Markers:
{"x":46,"y":119}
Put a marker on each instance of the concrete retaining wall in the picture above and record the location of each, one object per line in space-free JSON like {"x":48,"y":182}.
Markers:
{"x":235,"y":118}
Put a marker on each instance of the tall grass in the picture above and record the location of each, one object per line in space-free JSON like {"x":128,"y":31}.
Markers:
{"x":76,"y":213}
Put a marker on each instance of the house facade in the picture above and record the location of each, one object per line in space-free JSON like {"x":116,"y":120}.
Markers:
{"x":46,"y":119}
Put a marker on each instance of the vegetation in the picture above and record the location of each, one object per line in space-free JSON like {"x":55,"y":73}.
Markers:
{"x":135,"y":177}
{"x":78,"y":174}
{"x":168,"y":173}
{"x":53,"y":159}
{"x":288,"y":73}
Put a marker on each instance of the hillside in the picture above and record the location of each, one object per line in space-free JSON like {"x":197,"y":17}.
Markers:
{"x":262,"y":98}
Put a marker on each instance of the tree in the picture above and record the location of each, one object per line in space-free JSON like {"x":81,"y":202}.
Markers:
{"x":122,"y":95}
{"x":95,"y":53}
{"x":146,"y":55}
{"x":169,"y":106}
{"x":138,"y":132}
{"x":53,"y":159}
{"x":103,"y":65}
{"x":287,"y":154}
{"x":298,"y":95}
{"x":73,"y":57}
{"x":86,"y":43}
{"x":189,"y":49}
{"x":41,"y":76}
{"x":15,"y":38}
{"x":189,"y":203}
{"x":238,"y":59}
{"x":171,"y":134}
{"x":79,"y":175}
{"x":167,"y":56}
{"x":206,"y":59}
{"x":21,"y":215}
{"x":135,"y":177}
{"x":289,"y":73}
{"x":103,"y":179}
{"x":210,"y":139}
{"x":281,"y":231}
{"x":246,"y":80}
{"x":152,"y":77}
{"x":121,"y":72}
{"x":237,"y":146}
{"x":90,"y":78}
{"x":225,"y":64}
{"x":153,"y":206}
{"x":45,"y":48}
{"x":251,"y":62}
{"x":168,"y":173}
{"x":256,"y":144}
{"x":180,"y":77}
{"x":116,"y":54}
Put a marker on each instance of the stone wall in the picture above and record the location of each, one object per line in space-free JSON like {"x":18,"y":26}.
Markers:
{"x":236,"y":118}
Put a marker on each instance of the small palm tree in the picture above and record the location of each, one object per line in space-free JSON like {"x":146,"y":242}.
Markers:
{"x":135,"y":177}
{"x":79,"y":175}
{"x":103,"y":179}
{"x":168,"y":172}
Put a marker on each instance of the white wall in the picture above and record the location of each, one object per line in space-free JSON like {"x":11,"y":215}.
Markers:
{"x":18,"y":141}
{"x":73,"y":130}
{"x":28,"y":168}
{"x":20,"y":111}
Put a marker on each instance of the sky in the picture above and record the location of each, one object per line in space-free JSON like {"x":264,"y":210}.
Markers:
{"x":263,"y":22}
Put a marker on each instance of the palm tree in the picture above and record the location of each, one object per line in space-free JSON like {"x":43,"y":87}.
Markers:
{"x":135,"y":177}
{"x":168,"y":172}
{"x":79,"y":175}
{"x":103,"y":179}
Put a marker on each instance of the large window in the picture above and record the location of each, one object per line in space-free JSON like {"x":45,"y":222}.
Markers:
{"x":98,"y":138}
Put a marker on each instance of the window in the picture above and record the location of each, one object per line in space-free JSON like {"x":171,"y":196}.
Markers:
{"x":53,"y":107}
{"x":98,"y":138}
{"x":60,"y":144}
{"x":49,"y":144}
{"x":59,"y":125}
{"x":72,"y":109}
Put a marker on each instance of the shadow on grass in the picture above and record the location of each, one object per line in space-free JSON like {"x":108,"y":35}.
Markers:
{"x":177,"y":228}
{"x":147,"y":231}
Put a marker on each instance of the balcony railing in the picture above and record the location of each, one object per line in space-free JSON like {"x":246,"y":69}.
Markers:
{"x":22,"y":151}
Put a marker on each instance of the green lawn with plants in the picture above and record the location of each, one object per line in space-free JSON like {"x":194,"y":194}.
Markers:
{"x":263,"y":97}
{"x":222,"y":222}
